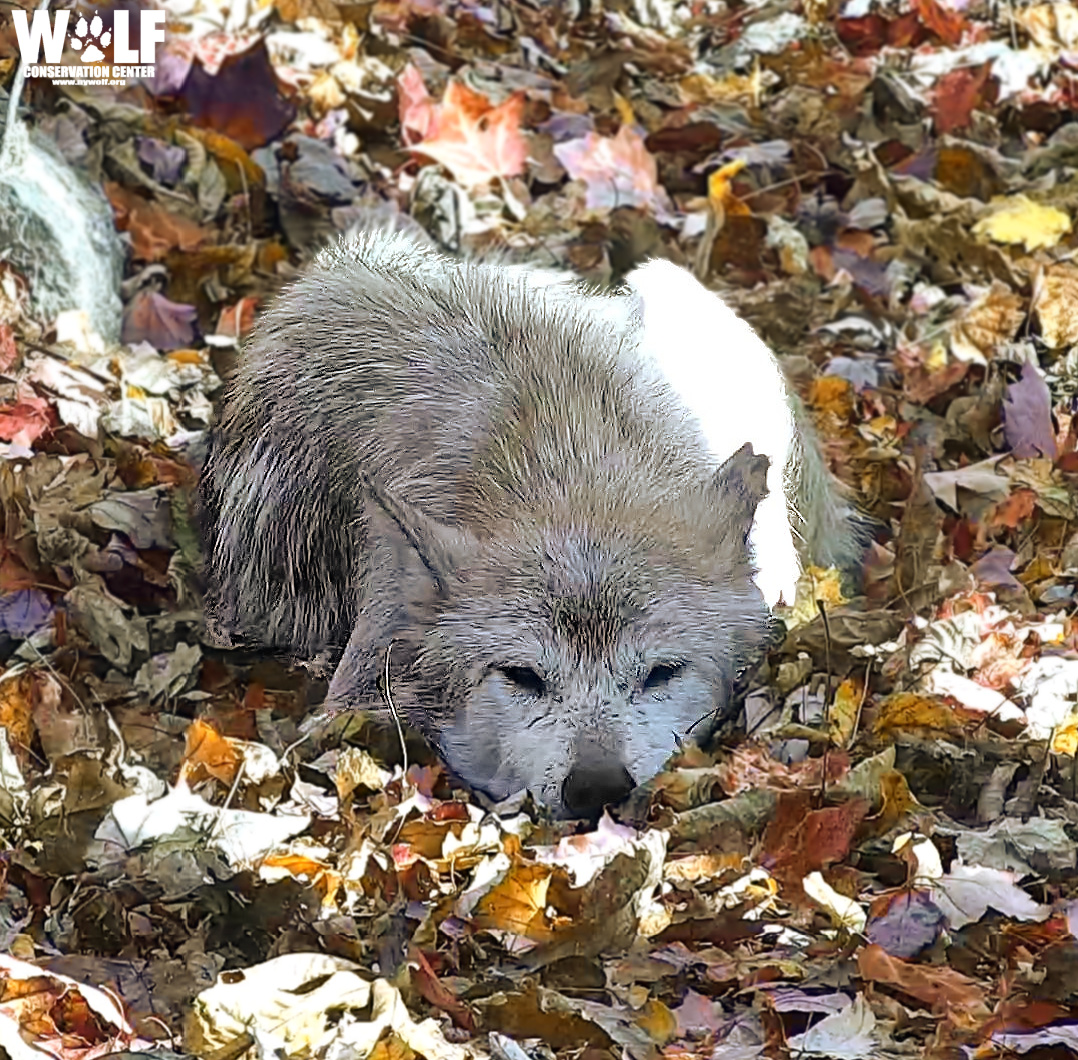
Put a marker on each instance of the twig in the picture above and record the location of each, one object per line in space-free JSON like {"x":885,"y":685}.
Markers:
{"x":228,"y":800}
{"x":393,"y":711}
{"x":861,"y":705}
{"x":14,"y":97}
{"x":826,"y":694}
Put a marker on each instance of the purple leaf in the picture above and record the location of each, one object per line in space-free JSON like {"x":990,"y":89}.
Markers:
{"x":1027,"y":416}
{"x":165,"y":160}
{"x":911,"y":923}
{"x":151,"y":317}
{"x":994,"y":568}
{"x":23,"y":612}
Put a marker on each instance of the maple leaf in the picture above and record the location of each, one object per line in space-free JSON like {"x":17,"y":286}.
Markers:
{"x":618,"y":170}
{"x":518,"y":904}
{"x":476,"y":141}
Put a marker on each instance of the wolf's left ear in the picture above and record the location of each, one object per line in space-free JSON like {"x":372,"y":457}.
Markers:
{"x":741,"y":483}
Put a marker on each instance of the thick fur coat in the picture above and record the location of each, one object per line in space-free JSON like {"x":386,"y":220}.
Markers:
{"x":498,"y":475}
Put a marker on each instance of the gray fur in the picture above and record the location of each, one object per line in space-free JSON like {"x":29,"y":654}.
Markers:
{"x":438,"y":455}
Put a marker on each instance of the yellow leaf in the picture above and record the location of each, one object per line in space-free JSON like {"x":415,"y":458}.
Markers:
{"x":845,"y":912}
{"x":844,"y":710}
{"x":1020,"y":220}
{"x":816,"y":585}
{"x":1057,"y":306}
{"x":625,"y":110}
{"x":721,"y":195}
{"x":907,"y":711}
{"x":1065,"y":740}
{"x":657,"y":1022}
{"x":897,"y":802}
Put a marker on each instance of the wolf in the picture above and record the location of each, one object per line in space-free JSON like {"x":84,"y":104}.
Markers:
{"x":510,"y":494}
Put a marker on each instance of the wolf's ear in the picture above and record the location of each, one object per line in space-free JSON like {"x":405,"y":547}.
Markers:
{"x":740,"y":485}
{"x":410,"y":560}
{"x":442,"y":551}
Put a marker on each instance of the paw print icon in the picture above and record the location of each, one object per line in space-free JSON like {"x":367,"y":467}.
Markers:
{"x":88,"y":38}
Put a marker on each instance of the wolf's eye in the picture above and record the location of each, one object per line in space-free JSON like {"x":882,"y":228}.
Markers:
{"x":660,"y":676}
{"x":525,"y":679}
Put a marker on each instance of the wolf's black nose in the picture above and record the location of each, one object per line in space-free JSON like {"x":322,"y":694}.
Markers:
{"x":596,"y":779}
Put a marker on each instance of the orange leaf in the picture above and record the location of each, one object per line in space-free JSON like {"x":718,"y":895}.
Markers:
{"x":238,"y":319}
{"x":1015,"y":509}
{"x":720,"y":193}
{"x":474,"y":140}
{"x":518,"y":904}
{"x":208,"y":753}
{"x":947,"y":25}
{"x":154,"y":231}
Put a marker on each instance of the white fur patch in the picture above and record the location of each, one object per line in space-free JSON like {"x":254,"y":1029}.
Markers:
{"x":733,"y":385}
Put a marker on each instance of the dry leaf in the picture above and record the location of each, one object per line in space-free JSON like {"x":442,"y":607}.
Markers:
{"x":1022,"y":221}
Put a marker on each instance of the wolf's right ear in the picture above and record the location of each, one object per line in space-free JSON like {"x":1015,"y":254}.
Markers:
{"x":741,"y":484}
{"x":419,"y":543}
{"x":411,"y":560}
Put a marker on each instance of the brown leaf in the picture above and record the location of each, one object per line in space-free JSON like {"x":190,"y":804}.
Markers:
{"x":434,"y":991}
{"x":154,"y":230}
{"x":957,"y":94}
{"x":943,"y":989}
{"x":799,"y":841}
{"x":1057,"y":305}
{"x":238,"y":97}
{"x":8,"y":353}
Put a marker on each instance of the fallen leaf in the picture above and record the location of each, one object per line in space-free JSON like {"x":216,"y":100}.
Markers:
{"x":476,"y":141}
{"x":941,"y":988}
{"x":208,"y":753}
{"x":151,"y":317}
{"x":1020,"y":220}
{"x":618,"y":170}
{"x":904,"y":922}
{"x":1057,"y":305}
{"x":967,"y":892}
{"x":946,"y":23}
{"x":956,"y":95}
{"x":518,"y":904}
{"x":154,"y":231}
{"x":1027,"y":416}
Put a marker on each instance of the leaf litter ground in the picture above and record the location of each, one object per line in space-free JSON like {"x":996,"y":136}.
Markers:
{"x":881,"y":862}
